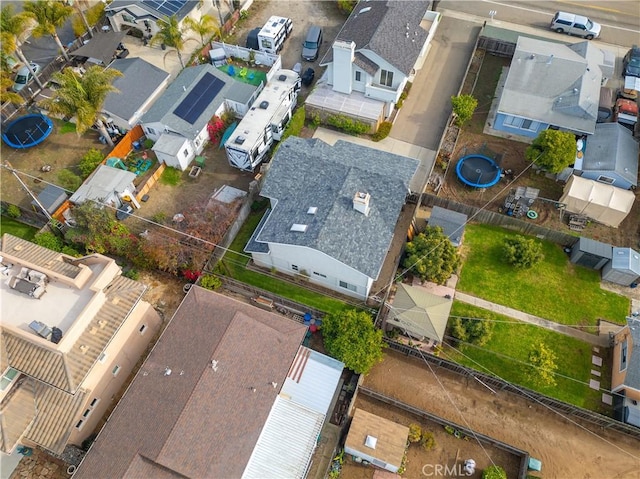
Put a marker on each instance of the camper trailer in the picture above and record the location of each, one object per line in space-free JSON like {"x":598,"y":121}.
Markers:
{"x":273,"y":34}
{"x":265,"y":121}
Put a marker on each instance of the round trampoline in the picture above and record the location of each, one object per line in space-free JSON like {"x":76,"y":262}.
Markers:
{"x":27,"y":131}
{"x":478,"y":171}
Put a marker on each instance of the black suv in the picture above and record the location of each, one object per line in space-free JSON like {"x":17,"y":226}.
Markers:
{"x":631,"y":63}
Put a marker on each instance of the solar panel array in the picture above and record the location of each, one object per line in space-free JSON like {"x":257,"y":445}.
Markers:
{"x":196,"y":102}
{"x":166,"y":7}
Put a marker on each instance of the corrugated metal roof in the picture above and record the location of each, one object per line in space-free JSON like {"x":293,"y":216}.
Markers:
{"x":594,"y":247}
{"x":312,"y":380}
{"x":286,"y":443}
{"x":626,"y":259}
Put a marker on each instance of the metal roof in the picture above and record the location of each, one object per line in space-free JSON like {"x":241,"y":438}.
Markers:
{"x":597,"y":248}
{"x":105,"y":181}
{"x":626,"y":259}
{"x":632,"y":376}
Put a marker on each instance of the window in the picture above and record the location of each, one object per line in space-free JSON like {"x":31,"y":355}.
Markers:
{"x":7,"y":378}
{"x":350,"y":287}
{"x":128,"y":18}
{"x":623,"y":355}
{"x":358,"y":76}
{"x":79,"y":424}
{"x":94,"y":402}
{"x":521,"y":123}
{"x":102,"y":358}
{"x":197,"y":141}
{"x":294,"y":267}
{"x":386,"y":78}
{"x":320,"y":274}
{"x":606,"y":179}
{"x":115,"y":370}
{"x":143,"y":328}
{"x":86,"y":413}
{"x":185,"y":152}
{"x":151,"y":131}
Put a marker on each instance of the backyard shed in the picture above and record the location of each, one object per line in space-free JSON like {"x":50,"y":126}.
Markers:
{"x":451,"y":222}
{"x":590,"y":253}
{"x":377,"y":440}
{"x":624,"y":267}
{"x":603,"y":203}
{"x":106,"y":185}
{"x":50,"y":198}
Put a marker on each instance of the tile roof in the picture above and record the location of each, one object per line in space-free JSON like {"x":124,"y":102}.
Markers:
{"x":340,"y":171}
{"x":382,"y":27}
{"x":204,"y":416}
{"x":612,"y":148}
{"x":38,"y":256}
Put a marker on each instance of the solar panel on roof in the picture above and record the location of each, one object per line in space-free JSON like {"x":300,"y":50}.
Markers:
{"x":199,"y":98}
{"x":166,"y":7}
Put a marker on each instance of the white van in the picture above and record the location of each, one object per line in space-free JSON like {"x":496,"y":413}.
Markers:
{"x":273,"y":34}
{"x":577,"y":25}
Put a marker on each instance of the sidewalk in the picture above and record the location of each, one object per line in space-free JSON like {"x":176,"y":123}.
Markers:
{"x":601,"y":341}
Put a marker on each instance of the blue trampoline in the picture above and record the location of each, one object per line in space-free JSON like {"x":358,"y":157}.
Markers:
{"x":27,"y":131}
{"x":478,"y":171}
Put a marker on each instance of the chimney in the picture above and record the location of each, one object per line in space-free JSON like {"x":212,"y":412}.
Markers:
{"x":361,"y":203}
{"x":343,"y":57}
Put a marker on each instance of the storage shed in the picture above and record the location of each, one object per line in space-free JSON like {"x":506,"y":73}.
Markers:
{"x":50,"y":198}
{"x":591,"y":253}
{"x":624,"y":267}
{"x":451,"y":222}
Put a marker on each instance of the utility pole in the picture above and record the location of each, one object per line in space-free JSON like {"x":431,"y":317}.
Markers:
{"x":8,"y":166}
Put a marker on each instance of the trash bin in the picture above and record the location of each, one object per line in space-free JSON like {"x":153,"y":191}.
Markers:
{"x":136,"y":145}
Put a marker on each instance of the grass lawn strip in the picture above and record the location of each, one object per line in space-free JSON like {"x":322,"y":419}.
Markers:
{"x":554,"y":289}
{"x":11,"y":226}
{"x":508,"y":349}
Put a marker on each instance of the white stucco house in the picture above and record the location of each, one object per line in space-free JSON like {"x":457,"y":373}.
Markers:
{"x":379,"y":49}
{"x":177,"y":121}
{"x":144,"y":14}
{"x":332,"y":227}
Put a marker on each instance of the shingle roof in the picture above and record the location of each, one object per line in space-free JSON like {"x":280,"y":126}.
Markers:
{"x":204,"y":418}
{"x":339,"y":172}
{"x":632,"y":377}
{"x":451,"y":222}
{"x":382,"y":27}
{"x":163,"y":108}
{"x":139,"y":81}
{"x":612,"y":148}
{"x":117,"y":5}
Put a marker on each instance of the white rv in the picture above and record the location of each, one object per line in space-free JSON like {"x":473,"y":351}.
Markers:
{"x":265,"y":121}
{"x":273,"y":34}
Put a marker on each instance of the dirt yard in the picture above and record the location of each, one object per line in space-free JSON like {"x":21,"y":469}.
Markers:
{"x":566,"y":450}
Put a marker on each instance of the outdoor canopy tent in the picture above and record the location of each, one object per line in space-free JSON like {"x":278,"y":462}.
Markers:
{"x":603,"y":203}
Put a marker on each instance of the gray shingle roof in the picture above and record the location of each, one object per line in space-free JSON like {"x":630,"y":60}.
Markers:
{"x":310,"y":173}
{"x":632,"y":377}
{"x":381,"y":26}
{"x":365,"y":63}
{"x":139,"y":81}
{"x":451,"y":222}
{"x":162,"y":109}
{"x":612,"y":148}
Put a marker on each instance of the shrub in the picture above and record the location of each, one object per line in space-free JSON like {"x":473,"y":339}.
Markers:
{"x":427,"y":441}
{"x":69,"y":180}
{"x":295,"y":126}
{"x":494,"y":472}
{"x":13,"y":211}
{"x":348,"y":125}
{"x":171,"y":176}
{"x":211,"y":282}
{"x":244,"y":14}
{"x":148,"y":143}
{"x":49,"y":240}
{"x":159,"y":217}
{"x":522,"y":252}
{"x":415,"y":432}
{"x":131,"y":273}
{"x":383,"y":131}
{"x":346,"y":6}
{"x":316,"y":120}
{"x":463,"y":107}
{"x":471,"y":330}
{"x":70,"y":251}
{"x":90,"y":162}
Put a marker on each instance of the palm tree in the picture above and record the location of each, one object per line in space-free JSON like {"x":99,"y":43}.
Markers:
{"x":82,"y":96}
{"x":171,"y":34}
{"x":50,"y":15}
{"x":206,"y":26}
{"x":6,"y":95}
{"x":15,"y":28}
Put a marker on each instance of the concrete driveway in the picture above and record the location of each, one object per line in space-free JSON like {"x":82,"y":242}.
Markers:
{"x":422,"y":119}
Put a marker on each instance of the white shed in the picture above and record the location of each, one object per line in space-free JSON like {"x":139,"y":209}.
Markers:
{"x":624,"y":267}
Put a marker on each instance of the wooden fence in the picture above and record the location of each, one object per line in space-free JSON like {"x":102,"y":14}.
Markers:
{"x":153,"y":179}
{"x":125,"y":145}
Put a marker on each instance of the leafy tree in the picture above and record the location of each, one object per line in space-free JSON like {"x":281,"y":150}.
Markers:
{"x":543,"y":365}
{"x":13,"y":211}
{"x":522,"y":252}
{"x":82,"y":96}
{"x":470,"y":330}
{"x":346,"y":6}
{"x":87,"y":17}
{"x":415,"y":432}
{"x":69,"y":180}
{"x":351,"y":337}
{"x":205,"y":26}
{"x":90,"y":161}
{"x":171,"y":34}
{"x":552,"y":150}
{"x":49,"y":240}
{"x":50,"y":15}
{"x":15,"y":28}
{"x":208,"y":281}
{"x":6,"y":95}
{"x":494,"y":472}
{"x":463,"y":107}
{"x":431,"y":256}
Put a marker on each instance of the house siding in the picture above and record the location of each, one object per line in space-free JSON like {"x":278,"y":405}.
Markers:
{"x":499,"y":125}
{"x":618,"y":180}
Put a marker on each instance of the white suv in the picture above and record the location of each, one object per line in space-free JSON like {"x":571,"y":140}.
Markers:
{"x":575,"y":25}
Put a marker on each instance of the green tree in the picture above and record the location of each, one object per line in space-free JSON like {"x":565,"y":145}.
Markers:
{"x":494,"y":472}
{"x":463,"y":108}
{"x":50,"y":15}
{"x":205,"y":26}
{"x":415,"y":432}
{"x":471,"y":330}
{"x":82,"y":96}
{"x":522,"y":252}
{"x":15,"y":28}
{"x":552,"y":150}
{"x":90,"y":162}
{"x":69,"y":180}
{"x":346,"y":6}
{"x":49,"y":240}
{"x":88,"y":16}
{"x":171,"y":34}
{"x":431,"y":256}
{"x":351,"y":337}
{"x":543,"y":365}
{"x":6,"y":95}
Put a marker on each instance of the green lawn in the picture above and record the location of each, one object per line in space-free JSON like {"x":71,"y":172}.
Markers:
{"x":234,"y":265}
{"x":554,"y":289}
{"x":509,"y":347}
{"x":11,"y":226}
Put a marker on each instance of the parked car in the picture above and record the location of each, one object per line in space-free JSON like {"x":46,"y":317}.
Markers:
{"x":577,"y":25}
{"x":308,"y":76}
{"x":24,"y":76}
{"x":631,"y":63}
{"x":625,"y":112}
{"x":311,"y":44}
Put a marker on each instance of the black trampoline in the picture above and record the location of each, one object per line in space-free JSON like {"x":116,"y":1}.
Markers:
{"x":27,"y":131}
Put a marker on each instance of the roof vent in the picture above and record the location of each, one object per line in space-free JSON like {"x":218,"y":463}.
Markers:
{"x":361,"y":202}
{"x":550,"y":59}
{"x":167,"y":372}
{"x":84,"y":348}
{"x":239,"y":140}
{"x":365,"y":10}
{"x":264,"y":105}
{"x":312,"y":210}
{"x":532,"y":56}
{"x":297,"y":227}
{"x":371,"y":442}
{"x":102,"y":323}
{"x":282,"y":78}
